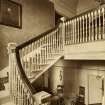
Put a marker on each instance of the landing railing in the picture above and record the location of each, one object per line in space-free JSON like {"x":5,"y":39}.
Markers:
{"x":86,"y":27}
{"x":35,"y":52}
{"x":28,"y":58}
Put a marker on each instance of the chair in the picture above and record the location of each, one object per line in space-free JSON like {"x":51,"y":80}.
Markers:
{"x":80,"y":99}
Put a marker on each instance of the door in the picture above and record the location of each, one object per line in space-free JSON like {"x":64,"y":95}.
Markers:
{"x":95,"y":89}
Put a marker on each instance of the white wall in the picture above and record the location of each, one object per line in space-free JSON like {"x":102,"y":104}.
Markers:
{"x":84,"y":5}
{"x":66,"y":7}
{"x":56,"y":78}
{"x":37,"y":17}
{"x":76,"y":74}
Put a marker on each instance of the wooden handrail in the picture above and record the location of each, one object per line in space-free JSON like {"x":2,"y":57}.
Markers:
{"x":37,"y":37}
{"x":22,"y":73}
{"x":19,"y":47}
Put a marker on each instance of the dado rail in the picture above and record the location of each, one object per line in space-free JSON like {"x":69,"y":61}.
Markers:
{"x":33,"y":58}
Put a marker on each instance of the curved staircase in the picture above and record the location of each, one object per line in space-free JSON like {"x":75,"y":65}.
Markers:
{"x":30,"y":60}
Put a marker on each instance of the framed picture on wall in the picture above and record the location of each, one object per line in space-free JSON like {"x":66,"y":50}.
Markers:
{"x":10,"y":13}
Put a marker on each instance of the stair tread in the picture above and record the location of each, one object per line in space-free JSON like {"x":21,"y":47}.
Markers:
{"x":34,"y":74}
{"x":40,"y":64}
{"x":8,"y":103}
{"x":4,"y":93}
{"x":45,"y":69}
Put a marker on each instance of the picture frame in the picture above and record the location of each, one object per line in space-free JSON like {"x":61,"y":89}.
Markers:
{"x":10,"y":13}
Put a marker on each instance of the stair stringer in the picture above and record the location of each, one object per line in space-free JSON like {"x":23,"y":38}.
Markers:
{"x":47,"y":68}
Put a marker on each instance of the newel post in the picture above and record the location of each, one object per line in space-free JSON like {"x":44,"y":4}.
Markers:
{"x":12,"y":64}
{"x":63,"y":19}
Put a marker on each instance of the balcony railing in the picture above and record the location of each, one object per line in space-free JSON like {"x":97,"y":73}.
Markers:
{"x":86,"y":27}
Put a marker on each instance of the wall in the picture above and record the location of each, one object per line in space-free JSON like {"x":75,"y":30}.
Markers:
{"x":37,"y":17}
{"x":56,"y":76}
{"x":76,"y":74}
{"x":84,"y":5}
{"x":66,"y":8}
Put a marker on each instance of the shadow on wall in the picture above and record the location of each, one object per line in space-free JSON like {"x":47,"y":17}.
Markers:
{"x":37,"y":17}
{"x":3,"y":51}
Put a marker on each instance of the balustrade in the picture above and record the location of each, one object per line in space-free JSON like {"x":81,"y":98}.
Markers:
{"x":86,"y":27}
{"x":19,"y":90}
{"x":30,"y":58}
{"x":36,"y":54}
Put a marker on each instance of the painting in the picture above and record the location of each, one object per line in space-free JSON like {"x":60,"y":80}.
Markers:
{"x":10,"y":13}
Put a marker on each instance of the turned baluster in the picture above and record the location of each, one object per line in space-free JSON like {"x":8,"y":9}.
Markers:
{"x":26,"y":60}
{"x":44,"y":51}
{"x":103,"y":24}
{"x":46,"y":48}
{"x":32,"y":65}
{"x":46,"y":45}
{"x":67,"y":32}
{"x":50,"y":43}
{"x":58,"y":40}
{"x":72,"y":31}
{"x":83,"y":30}
{"x":85,"y":27}
{"x":41,"y":50}
{"x":55,"y":38}
{"x":92,"y":26}
{"x":80,"y":20}
{"x":99,"y":16}
{"x":89,"y":29}
{"x":96,"y":35}
{"x":53,"y":41}
{"x":49,"y":49}
{"x":20,"y":99}
{"x":77,"y":30}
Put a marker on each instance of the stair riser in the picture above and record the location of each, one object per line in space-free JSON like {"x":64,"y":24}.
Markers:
{"x":4,"y":100}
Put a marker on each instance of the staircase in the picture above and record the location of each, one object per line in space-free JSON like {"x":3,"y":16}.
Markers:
{"x":30,"y":60}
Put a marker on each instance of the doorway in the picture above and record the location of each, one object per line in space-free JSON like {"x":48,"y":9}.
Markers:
{"x":95,"y":90}
{"x":57,"y":17}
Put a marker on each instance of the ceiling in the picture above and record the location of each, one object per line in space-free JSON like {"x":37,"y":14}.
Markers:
{"x":70,"y":8}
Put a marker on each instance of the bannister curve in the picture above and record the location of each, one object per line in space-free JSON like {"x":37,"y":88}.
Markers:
{"x":37,"y":37}
{"x":22,"y":73}
{"x":19,"y":47}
